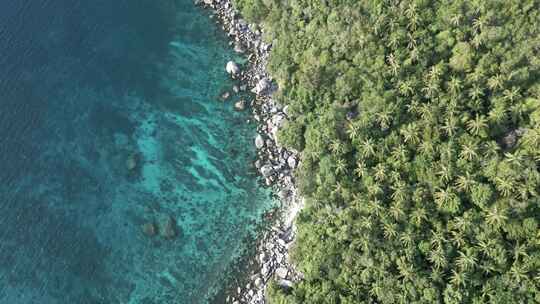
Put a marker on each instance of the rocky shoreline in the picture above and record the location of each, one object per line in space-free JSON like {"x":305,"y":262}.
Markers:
{"x":275,"y":163}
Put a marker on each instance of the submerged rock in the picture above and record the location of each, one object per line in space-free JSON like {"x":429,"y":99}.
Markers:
{"x":131,"y":161}
{"x":240,"y":105}
{"x":150,"y":229}
{"x":232,"y":68}
{"x":168,"y":228}
{"x":225,"y":96}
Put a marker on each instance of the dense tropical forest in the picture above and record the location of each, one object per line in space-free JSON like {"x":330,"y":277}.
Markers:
{"x":419,"y":126}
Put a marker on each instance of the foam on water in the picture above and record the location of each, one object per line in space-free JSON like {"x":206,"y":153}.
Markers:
{"x":89,"y":85}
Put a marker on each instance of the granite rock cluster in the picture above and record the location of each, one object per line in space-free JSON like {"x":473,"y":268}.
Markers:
{"x":275,"y":163}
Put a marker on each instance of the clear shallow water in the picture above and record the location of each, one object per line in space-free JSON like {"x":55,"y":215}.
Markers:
{"x":84,"y":85}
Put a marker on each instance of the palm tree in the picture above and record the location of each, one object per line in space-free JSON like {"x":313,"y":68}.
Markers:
{"x":394,"y":64}
{"x":465,"y":182}
{"x":426,"y":147}
{"x":434,"y":72}
{"x":518,"y":272}
{"x":313,"y":154}
{"x":414,"y":54}
{"x":478,"y":24}
{"x":353,"y":131}
{"x":396,"y":210}
{"x":437,"y":258}
{"x":410,"y":133}
{"x":413,"y":107}
{"x":450,"y":125}
{"x":504,"y":185}
{"x":454,"y":85}
{"x":437,"y":239}
{"x":491,"y":149}
{"x":389,"y":230}
{"x":520,"y":250}
{"x":407,"y":238}
{"x":368,"y":148}
{"x":405,"y":88}
{"x":431,"y":89}
{"x":418,"y":216}
{"x":360,"y":169}
{"x":478,"y":40}
{"x":336,"y":147}
{"x":383,"y":118}
{"x":497,"y":114}
{"x":477,"y":125}
{"x":514,"y":158}
{"x":458,"y":278}
{"x":496,"y":216}
{"x":399,"y":153}
{"x":412,"y":41}
{"x":532,"y":137}
{"x":466,"y":261}
{"x":341,"y":166}
{"x":457,"y":238}
{"x":411,"y":10}
{"x":485,"y":243}
{"x":427,"y":112}
{"x":468,"y":151}
{"x":476,"y":92}
{"x":393,"y":41}
{"x":496,"y":82}
{"x":487,"y":292}
{"x":374,"y":189}
{"x":455,"y":20}
{"x":406,"y":269}
{"x":445,"y":173}
{"x":511,"y":95}
{"x":380,"y":172}
{"x":399,"y":193}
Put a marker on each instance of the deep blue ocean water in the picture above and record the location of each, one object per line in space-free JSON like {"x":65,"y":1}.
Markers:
{"x":109,"y":120}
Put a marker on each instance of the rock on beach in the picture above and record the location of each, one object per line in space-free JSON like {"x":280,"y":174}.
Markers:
{"x":232,"y":68}
{"x":259,"y":141}
{"x":261,"y":86}
{"x":275,"y":163}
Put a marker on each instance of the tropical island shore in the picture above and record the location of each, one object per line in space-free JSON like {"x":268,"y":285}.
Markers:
{"x":275,"y":163}
{"x":419,"y":128}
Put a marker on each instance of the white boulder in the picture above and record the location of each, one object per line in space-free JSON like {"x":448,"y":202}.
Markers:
{"x":232,"y":68}
{"x":259,"y":142}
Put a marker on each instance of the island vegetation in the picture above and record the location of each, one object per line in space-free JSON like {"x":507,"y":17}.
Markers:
{"x":418,"y":123}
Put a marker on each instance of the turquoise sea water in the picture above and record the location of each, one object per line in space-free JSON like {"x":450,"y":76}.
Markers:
{"x":109,"y":120}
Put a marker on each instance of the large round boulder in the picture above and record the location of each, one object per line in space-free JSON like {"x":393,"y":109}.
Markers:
{"x":232,"y":68}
